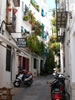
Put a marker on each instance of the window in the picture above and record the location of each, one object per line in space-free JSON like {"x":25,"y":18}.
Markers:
{"x":8,"y":58}
{"x":16,"y":3}
{"x":22,"y":29}
{"x":42,"y":12}
{"x":24,"y":63}
{"x":34,"y":63}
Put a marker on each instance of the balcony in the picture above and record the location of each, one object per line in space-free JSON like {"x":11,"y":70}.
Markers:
{"x":11,"y":20}
{"x":11,"y":25}
{"x":61,"y":17}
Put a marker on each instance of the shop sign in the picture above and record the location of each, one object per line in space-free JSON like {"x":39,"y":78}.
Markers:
{"x":21,"y":42}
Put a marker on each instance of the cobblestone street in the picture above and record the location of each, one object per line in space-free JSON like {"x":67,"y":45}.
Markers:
{"x":39,"y":90}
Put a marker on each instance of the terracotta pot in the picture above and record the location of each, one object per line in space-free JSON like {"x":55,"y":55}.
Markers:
{"x":14,"y":11}
{"x":9,"y":9}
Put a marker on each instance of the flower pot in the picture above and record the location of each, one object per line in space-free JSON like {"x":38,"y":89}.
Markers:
{"x":26,"y":11}
{"x":14,"y":11}
{"x":9,"y":9}
{"x":25,"y":18}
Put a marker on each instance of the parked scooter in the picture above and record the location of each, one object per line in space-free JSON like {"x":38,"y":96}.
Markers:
{"x":58,"y":87}
{"x":23,"y":77}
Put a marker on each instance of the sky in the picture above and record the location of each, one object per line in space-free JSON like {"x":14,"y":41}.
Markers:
{"x":50,"y":4}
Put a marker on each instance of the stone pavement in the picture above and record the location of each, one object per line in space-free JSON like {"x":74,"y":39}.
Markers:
{"x":39,"y":90}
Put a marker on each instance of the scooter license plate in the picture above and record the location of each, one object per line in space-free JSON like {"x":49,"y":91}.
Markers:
{"x":57,"y":99}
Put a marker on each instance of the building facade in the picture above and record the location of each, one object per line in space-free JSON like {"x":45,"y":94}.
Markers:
{"x":8,"y":48}
{"x":15,"y":26}
{"x":66,"y":34}
{"x":31,"y":61}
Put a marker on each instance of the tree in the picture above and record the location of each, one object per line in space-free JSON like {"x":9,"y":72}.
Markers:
{"x":53,"y":12}
{"x":54,"y":29}
{"x":55,"y":47}
{"x":53,"y":21}
{"x":50,"y":63}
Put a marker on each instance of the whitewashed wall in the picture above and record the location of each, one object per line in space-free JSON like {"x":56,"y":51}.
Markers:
{"x":70,"y":50}
{"x":6,"y":77}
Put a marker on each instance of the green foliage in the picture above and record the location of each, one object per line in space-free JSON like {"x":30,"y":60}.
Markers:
{"x":55,"y":47}
{"x":50,"y":63}
{"x":35,"y":45}
{"x":52,"y":39}
{"x":26,"y":18}
{"x":35,"y":5}
{"x":53,"y":12}
{"x":37,"y":27}
{"x":53,"y":21}
{"x":54,"y":29}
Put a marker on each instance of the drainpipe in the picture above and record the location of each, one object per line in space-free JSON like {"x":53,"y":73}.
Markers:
{"x":61,"y":58}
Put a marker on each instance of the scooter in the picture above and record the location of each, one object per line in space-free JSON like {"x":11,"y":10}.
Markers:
{"x":58,"y":88}
{"x":23,"y":77}
{"x":57,"y":95}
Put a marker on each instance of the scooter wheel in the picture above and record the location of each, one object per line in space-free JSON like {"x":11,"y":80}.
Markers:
{"x":17,"y":84}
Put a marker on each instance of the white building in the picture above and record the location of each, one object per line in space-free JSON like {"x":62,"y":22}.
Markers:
{"x":14,"y":58}
{"x":34,"y":60}
{"x":66,"y":33}
{"x":8,"y":48}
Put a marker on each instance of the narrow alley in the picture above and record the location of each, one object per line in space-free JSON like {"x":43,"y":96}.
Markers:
{"x":39,"y":90}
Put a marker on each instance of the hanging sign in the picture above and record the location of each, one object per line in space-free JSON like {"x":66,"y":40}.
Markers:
{"x":21,"y":42}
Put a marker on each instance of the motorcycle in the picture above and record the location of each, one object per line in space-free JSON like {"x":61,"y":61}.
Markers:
{"x":23,"y":77}
{"x":57,"y":95}
{"x":58,"y":87}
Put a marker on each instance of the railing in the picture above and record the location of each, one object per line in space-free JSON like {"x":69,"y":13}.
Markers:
{"x":11,"y":24}
{"x":61,"y":18}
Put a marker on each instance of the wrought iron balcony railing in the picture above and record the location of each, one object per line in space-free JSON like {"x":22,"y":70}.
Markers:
{"x":11,"y":24}
{"x":61,"y":17}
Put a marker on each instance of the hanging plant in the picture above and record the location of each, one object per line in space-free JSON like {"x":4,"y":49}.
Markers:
{"x":33,"y":27}
{"x":29,"y":13}
{"x":26,"y":10}
{"x":31,"y":22}
{"x":53,"y":21}
{"x":26,"y":18}
{"x":35,"y":5}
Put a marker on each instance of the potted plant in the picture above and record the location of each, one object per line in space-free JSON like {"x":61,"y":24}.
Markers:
{"x":26,"y":18}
